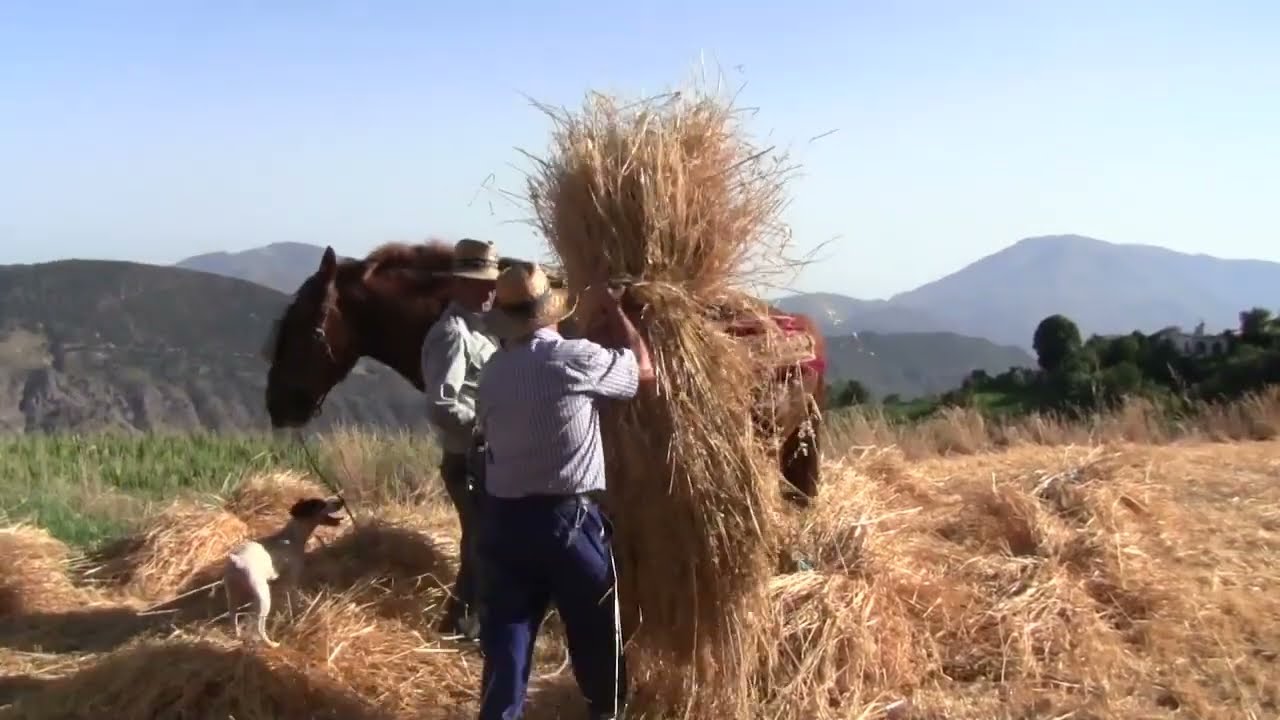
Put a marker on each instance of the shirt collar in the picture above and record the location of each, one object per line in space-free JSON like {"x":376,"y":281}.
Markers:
{"x":539,"y":335}
{"x":474,"y":320}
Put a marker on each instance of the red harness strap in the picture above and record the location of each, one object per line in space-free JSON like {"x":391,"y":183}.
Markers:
{"x":790,"y":325}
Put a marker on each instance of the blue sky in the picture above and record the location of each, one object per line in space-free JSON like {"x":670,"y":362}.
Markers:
{"x":153,"y":131}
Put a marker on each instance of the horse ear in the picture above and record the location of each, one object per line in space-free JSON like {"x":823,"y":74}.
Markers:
{"x":328,"y":263}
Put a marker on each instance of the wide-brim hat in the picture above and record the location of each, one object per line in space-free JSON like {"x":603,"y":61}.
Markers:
{"x":474,"y":259}
{"x":524,"y":301}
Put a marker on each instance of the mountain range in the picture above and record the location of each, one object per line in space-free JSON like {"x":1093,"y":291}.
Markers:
{"x":1105,"y":288}
{"x":280,"y":266}
{"x":96,"y":345}
{"x":88,"y":345}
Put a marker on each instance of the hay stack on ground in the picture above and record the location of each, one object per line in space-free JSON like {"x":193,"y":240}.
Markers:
{"x":263,"y":501}
{"x":1128,"y":582}
{"x":35,"y":578}
{"x":195,"y":677}
{"x":337,"y":659}
{"x":839,"y":644}
{"x":668,"y":195}
{"x":185,"y":542}
{"x":399,"y":566}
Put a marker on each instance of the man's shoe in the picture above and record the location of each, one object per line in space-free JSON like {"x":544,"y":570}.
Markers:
{"x":450,"y":623}
{"x":469,"y":627}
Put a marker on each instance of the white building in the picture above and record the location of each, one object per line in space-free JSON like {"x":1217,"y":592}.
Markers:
{"x":1196,"y":343}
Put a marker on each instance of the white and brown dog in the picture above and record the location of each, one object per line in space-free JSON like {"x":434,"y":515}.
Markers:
{"x":255,"y":564}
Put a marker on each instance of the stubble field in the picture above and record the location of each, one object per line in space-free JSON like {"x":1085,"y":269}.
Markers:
{"x":1123,"y":568}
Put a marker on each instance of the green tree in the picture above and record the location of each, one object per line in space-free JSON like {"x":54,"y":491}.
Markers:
{"x":1255,"y":326}
{"x":1055,"y":341}
{"x":1120,"y":380}
{"x":1162,"y":363}
{"x":851,"y":392}
{"x":1121,"y":350}
{"x":976,"y":380}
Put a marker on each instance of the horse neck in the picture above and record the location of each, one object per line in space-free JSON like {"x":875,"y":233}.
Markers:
{"x":391,"y":330}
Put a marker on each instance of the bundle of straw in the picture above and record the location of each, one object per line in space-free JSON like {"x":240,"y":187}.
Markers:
{"x":35,"y":577}
{"x":668,"y":194}
{"x":184,"y":541}
{"x":196,"y":678}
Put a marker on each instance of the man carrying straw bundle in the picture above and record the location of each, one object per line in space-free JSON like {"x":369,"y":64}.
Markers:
{"x":453,"y":352}
{"x":544,"y":538}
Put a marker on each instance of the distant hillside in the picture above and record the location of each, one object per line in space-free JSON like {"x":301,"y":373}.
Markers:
{"x":1106,"y":288}
{"x":914,"y":364}
{"x":279,"y":266}
{"x":841,"y":315}
{"x":91,"y":344}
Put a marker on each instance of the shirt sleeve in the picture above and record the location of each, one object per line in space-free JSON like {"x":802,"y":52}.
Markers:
{"x":444,"y":368}
{"x":605,"y":372}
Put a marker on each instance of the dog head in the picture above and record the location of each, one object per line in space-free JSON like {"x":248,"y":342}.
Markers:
{"x":321,"y":512}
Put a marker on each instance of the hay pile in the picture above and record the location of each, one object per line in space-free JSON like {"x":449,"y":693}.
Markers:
{"x":1128,"y":582}
{"x":34,"y":576}
{"x":668,"y":195}
{"x":185,"y":542}
{"x":355,"y":642}
{"x":336,"y":660}
{"x":263,"y":501}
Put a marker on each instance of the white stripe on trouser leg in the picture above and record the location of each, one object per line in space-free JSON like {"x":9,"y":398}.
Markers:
{"x":617,"y":631}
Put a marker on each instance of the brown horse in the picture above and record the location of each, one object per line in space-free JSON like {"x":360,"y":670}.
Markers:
{"x":383,"y":305}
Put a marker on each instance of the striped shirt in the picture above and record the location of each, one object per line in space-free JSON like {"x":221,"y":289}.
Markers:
{"x":537,"y":407}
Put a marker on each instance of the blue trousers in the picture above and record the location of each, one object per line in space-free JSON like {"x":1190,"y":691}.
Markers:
{"x":538,"y":551}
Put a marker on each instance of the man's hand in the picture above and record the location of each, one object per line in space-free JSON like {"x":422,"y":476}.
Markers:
{"x":608,"y":324}
{"x":602,"y":316}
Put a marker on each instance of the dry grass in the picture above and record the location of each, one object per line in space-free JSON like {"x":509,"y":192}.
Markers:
{"x":36,"y":576}
{"x":1119,"y":580}
{"x":263,"y":501}
{"x":964,"y":431}
{"x":185,"y":540}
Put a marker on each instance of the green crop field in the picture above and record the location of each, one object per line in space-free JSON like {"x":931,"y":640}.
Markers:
{"x":86,"y":488}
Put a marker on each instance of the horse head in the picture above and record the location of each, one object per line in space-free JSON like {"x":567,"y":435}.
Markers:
{"x":311,"y":347}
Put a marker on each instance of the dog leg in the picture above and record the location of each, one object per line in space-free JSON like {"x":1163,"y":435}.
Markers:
{"x":263,"y":592}
{"x":231,"y":606}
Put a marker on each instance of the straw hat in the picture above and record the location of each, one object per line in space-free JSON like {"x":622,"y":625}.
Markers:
{"x":474,"y":259}
{"x":524,"y":301}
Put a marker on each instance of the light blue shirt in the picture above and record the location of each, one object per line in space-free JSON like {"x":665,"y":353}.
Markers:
{"x":538,"y":410}
{"x":453,"y":352}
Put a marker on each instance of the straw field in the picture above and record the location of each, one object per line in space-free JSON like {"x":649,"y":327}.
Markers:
{"x":1108,"y":578}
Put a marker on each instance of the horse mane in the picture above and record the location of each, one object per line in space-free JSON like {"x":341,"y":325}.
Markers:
{"x":423,"y":260}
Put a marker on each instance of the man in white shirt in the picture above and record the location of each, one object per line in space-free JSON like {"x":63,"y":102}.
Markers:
{"x":455,"y":349}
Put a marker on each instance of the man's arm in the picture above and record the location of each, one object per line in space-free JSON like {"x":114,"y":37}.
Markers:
{"x":444,"y":368}
{"x":604,"y":372}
